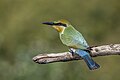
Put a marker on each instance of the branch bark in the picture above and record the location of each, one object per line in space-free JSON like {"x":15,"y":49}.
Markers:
{"x":104,"y":50}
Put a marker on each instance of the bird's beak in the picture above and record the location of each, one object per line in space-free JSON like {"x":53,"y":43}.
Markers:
{"x":58,"y":28}
{"x":48,"y":23}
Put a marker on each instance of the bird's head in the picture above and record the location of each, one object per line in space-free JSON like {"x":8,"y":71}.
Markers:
{"x":58,"y":25}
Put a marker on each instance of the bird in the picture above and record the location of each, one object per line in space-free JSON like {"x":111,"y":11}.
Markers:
{"x":74,"y":40}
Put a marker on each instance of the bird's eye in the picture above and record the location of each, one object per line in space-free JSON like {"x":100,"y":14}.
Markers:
{"x":61,"y":24}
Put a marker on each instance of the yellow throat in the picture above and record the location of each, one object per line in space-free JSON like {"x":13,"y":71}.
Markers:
{"x":59,"y":28}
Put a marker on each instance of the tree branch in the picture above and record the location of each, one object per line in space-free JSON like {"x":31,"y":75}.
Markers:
{"x":104,"y":50}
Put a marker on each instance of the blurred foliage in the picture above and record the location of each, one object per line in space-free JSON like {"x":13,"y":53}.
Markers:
{"x":22,"y":36}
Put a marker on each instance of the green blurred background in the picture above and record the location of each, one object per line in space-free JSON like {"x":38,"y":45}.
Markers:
{"x":22,"y":36}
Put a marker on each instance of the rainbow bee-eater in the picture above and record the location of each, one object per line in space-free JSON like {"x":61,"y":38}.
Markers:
{"x":74,"y":40}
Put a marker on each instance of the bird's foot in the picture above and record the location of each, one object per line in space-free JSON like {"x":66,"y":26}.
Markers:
{"x":90,"y":48}
{"x":72,"y":51}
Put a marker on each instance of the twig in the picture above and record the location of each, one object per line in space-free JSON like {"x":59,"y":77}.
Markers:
{"x":104,"y":50}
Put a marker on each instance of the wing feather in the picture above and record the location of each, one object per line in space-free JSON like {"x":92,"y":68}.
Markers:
{"x":73,"y":38}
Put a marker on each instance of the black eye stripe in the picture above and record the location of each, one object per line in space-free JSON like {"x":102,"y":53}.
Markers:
{"x":61,"y":24}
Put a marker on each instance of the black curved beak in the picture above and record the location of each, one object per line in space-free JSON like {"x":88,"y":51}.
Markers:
{"x":48,"y":23}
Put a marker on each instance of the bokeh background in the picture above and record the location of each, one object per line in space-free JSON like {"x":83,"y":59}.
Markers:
{"x":22,"y":36}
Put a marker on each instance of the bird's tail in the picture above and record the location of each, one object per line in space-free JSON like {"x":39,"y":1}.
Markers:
{"x":89,"y":61}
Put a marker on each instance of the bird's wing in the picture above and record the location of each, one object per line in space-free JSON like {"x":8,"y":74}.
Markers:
{"x":81,"y":39}
{"x":73,"y":38}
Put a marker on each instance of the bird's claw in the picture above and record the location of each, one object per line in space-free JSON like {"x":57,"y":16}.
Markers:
{"x":90,"y":48}
{"x":72,"y":51}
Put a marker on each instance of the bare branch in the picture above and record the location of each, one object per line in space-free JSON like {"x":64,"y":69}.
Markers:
{"x":104,"y":50}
